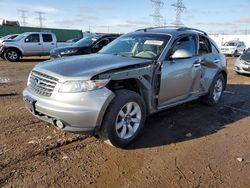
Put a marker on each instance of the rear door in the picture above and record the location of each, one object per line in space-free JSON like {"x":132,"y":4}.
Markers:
{"x":32,"y":45}
{"x":211,"y":60}
{"x":180,"y":77}
{"x":48,"y":43}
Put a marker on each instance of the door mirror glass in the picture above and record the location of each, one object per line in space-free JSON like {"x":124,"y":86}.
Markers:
{"x":181,"y":54}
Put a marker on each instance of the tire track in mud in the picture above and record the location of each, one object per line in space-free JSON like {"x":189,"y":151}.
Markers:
{"x":47,"y":148}
{"x":44,"y":151}
{"x":14,"y":169}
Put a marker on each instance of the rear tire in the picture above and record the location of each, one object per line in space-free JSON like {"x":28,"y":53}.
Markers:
{"x":215,"y":92}
{"x":12,"y":55}
{"x":124,"y":119}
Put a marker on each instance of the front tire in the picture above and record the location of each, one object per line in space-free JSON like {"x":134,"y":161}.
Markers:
{"x":12,"y":55}
{"x":124,"y":119}
{"x":215,"y":92}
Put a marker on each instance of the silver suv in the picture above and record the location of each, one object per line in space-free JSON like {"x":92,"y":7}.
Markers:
{"x":111,"y":93}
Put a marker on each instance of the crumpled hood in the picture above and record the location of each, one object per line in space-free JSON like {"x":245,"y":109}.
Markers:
{"x":86,"y":66}
{"x":6,"y":40}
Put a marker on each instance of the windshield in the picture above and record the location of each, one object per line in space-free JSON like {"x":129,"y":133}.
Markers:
{"x":149,"y":46}
{"x":230,"y":44}
{"x":87,"y":41}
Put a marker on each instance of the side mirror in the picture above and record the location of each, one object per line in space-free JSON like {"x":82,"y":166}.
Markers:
{"x":181,"y":54}
{"x":96,"y":46}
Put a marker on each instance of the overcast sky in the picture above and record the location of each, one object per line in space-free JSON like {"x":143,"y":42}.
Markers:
{"x":128,"y":15}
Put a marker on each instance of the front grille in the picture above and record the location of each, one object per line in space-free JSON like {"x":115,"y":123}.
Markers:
{"x":225,"y":49}
{"x":42,"y":84}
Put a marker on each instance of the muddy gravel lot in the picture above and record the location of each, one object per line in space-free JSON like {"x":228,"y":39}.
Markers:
{"x":191,"y":145}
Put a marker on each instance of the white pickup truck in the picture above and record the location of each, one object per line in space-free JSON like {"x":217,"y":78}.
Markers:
{"x":28,"y":44}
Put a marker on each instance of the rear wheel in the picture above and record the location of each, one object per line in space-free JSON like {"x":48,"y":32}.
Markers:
{"x":12,"y":55}
{"x":215,"y":92}
{"x":124,"y":119}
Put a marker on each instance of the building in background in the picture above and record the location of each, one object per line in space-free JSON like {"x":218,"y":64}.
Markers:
{"x":61,"y":34}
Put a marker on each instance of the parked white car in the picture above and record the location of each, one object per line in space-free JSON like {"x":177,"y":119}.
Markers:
{"x":242,"y":64}
{"x":234,"y":48}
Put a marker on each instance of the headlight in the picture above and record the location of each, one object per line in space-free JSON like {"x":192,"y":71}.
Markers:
{"x":82,"y":86}
{"x":69,"y":52}
{"x":28,"y":82}
{"x":244,"y":62}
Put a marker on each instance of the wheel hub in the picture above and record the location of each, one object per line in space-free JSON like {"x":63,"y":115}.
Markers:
{"x":128,"y":119}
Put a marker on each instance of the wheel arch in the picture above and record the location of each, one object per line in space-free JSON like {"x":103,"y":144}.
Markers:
{"x":14,"y":48}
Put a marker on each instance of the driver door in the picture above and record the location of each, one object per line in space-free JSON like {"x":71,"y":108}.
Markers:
{"x":32,"y":45}
{"x":180,"y":77}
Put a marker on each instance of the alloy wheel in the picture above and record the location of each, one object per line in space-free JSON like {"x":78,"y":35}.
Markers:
{"x":128,"y":120}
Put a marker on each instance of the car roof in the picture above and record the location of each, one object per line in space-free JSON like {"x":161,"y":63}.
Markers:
{"x":174,"y":31}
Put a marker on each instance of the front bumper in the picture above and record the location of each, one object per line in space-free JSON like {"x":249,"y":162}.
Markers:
{"x":228,"y":52}
{"x":243,"y":69}
{"x":1,"y":50}
{"x":79,"y":112}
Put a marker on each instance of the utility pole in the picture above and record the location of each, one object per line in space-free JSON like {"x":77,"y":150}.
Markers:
{"x":180,"y":8}
{"x":40,"y":18}
{"x":23,"y":17}
{"x":157,"y":6}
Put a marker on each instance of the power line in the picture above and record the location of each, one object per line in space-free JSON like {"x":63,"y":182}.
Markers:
{"x":157,"y":6}
{"x":40,"y":17}
{"x":23,"y":17}
{"x":180,"y":8}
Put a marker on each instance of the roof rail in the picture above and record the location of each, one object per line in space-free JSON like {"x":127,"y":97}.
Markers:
{"x":160,"y":27}
{"x":191,"y":29}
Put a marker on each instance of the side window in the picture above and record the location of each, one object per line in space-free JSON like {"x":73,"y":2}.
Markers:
{"x":214,"y":49}
{"x":204,"y":46}
{"x":47,"y":38}
{"x":32,"y":38}
{"x":103,"y":43}
{"x":186,"y":43}
{"x":111,"y":39}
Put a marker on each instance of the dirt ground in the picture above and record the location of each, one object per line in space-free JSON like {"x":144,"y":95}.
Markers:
{"x":191,"y":145}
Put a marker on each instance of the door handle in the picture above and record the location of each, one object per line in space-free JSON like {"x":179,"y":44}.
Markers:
{"x":197,"y":64}
{"x":216,"y":61}
{"x":52,"y":43}
{"x":39,"y":43}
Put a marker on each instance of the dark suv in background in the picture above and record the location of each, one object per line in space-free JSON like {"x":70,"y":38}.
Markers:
{"x":86,"y":45}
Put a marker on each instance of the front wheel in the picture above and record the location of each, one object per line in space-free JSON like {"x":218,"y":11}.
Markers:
{"x":215,"y":92}
{"x":12,"y":55}
{"x":124,"y":119}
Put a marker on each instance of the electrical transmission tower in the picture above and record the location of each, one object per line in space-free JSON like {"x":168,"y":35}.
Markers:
{"x":23,"y":17}
{"x":157,"y":6}
{"x":40,"y":17}
{"x":180,"y":8}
